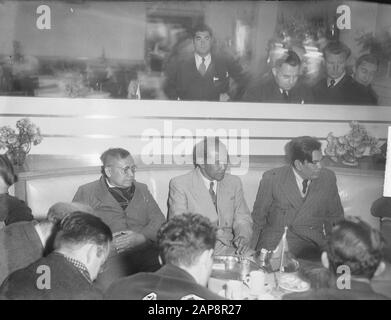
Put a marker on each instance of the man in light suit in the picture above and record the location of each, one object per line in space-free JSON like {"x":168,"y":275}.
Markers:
{"x":209,"y":191}
{"x":203,"y":75}
{"x":302,"y":196}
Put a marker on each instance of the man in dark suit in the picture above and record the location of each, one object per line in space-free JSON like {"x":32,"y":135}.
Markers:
{"x":282,"y":85}
{"x":365,"y":71}
{"x":130,"y":211}
{"x":217,"y":195}
{"x":203,"y":75}
{"x":81,"y":248}
{"x":186,"y":245}
{"x":302,"y":196}
{"x":354,"y":258}
{"x":24,"y":242}
{"x":337,"y":87}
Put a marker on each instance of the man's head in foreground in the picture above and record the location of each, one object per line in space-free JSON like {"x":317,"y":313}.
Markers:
{"x":187,"y":241}
{"x":85,"y":238}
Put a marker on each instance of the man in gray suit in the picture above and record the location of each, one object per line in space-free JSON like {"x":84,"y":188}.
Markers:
{"x":302,"y":196}
{"x":209,"y":191}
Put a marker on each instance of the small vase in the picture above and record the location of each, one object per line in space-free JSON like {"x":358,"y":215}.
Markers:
{"x":17,"y":157}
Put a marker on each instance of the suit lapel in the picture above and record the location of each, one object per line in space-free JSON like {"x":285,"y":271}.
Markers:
{"x":289,"y":187}
{"x":202,"y":196}
{"x":104,"y":196}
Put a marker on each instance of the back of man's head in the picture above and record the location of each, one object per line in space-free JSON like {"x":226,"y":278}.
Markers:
{"x":301,"y":148}
{"x":60,"y":210}
{"x":356,"y":245}
{"x":79,"y":228}
{"x":184,"y":238}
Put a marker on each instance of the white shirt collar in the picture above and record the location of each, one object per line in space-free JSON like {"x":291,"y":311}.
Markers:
{"x":40,"y":234}
{"x":207,"y":181}
{"x":299,"y":181}
{"x":336,"y":80}
{"x":109,"y":184}
{"x":198,"y":60}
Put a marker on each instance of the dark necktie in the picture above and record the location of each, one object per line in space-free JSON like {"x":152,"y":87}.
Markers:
{"x":123,"y":195}
{"x":285,"y":95}
{"x":213,"y":194}
{"x":202,"y":67}
{"x":305,"y":185}
{"x":332,"y":83}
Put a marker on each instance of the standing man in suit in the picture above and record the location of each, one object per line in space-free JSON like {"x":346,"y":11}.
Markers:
{"x":204,"y":75}
{"x":130,"y":211}
{"x":302,"y":196}
{"x":282,"y":85}
{"x":337,"y":87}
{"x":211,"y":192}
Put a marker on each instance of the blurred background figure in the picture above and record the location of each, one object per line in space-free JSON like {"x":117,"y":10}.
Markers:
{"x":365,"y":71}
{"x":11,"y":208}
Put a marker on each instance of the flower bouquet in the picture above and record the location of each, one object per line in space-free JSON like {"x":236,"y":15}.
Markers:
{"x":349,"y":148}
{"x":19,"y":144}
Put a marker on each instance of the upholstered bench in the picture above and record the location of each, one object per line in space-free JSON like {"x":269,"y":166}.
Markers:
{"x":357,"y":188}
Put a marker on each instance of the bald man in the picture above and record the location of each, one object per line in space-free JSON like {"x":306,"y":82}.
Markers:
{"x":211,"y":192}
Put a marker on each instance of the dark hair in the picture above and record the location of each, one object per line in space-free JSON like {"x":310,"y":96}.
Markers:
{"x":301,"y":149}
{"x":336,"y":47}
{"x":290,"y":58}
{"x":357,"y":246}
{"x":117,"y":153}
{"x":201,"y":28}
{"x":369,"y":58}
{"x":81,"y":227}
{"x":184,"y":238}
{"x":7,"y":170}
{"x":200,"y":149}
{"x":60,"y":210}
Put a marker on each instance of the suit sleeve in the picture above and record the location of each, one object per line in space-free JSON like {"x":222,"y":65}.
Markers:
{"x":171,"y":82}
{"x":335,"y":209}
{"x":177,"y":200}
{"x":262,"y":205}
{"x":21,"y":212}
{"x":155,"y":215}
{"x":242,"y":224}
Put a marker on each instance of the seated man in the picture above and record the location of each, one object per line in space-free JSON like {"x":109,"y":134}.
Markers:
{"x":186,"y":245}
{"x":354,"y":257}
{"x":22,"y":243}
{"x":209,"y":191}
{"x":81,"y":248}
{"x":337,"y":87}
{"x":364,"y":72}
{"x":282,"y":85}
{"x":130,"y":211}
{"x":302,"y":196}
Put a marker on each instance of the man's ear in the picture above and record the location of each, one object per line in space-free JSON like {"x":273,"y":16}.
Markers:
{"x":380,"y":269}
{"x":298,"y":165}
{"x":325,"y":260}
{"x":107,"y":171}
{"x":91,"y":252}
{"x":274,"y":71}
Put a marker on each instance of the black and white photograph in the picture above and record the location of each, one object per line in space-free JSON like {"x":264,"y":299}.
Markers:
{"x":195,"y":150}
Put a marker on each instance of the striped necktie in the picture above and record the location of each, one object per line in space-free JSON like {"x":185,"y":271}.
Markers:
{"x":213,"y":194}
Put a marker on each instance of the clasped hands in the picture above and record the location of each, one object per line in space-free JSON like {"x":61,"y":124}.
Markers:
{"x":127,"y":239}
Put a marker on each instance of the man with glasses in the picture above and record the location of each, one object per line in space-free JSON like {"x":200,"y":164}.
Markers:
{"x":130,"y":211}
{"x":217,"y":195}
{"x":302,"y":196}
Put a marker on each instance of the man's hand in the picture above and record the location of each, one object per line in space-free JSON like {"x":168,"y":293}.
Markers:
{"x":242,"y":245}
{"x":127,"y":239}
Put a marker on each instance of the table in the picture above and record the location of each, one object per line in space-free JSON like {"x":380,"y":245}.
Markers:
{"x":220,"y":277}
